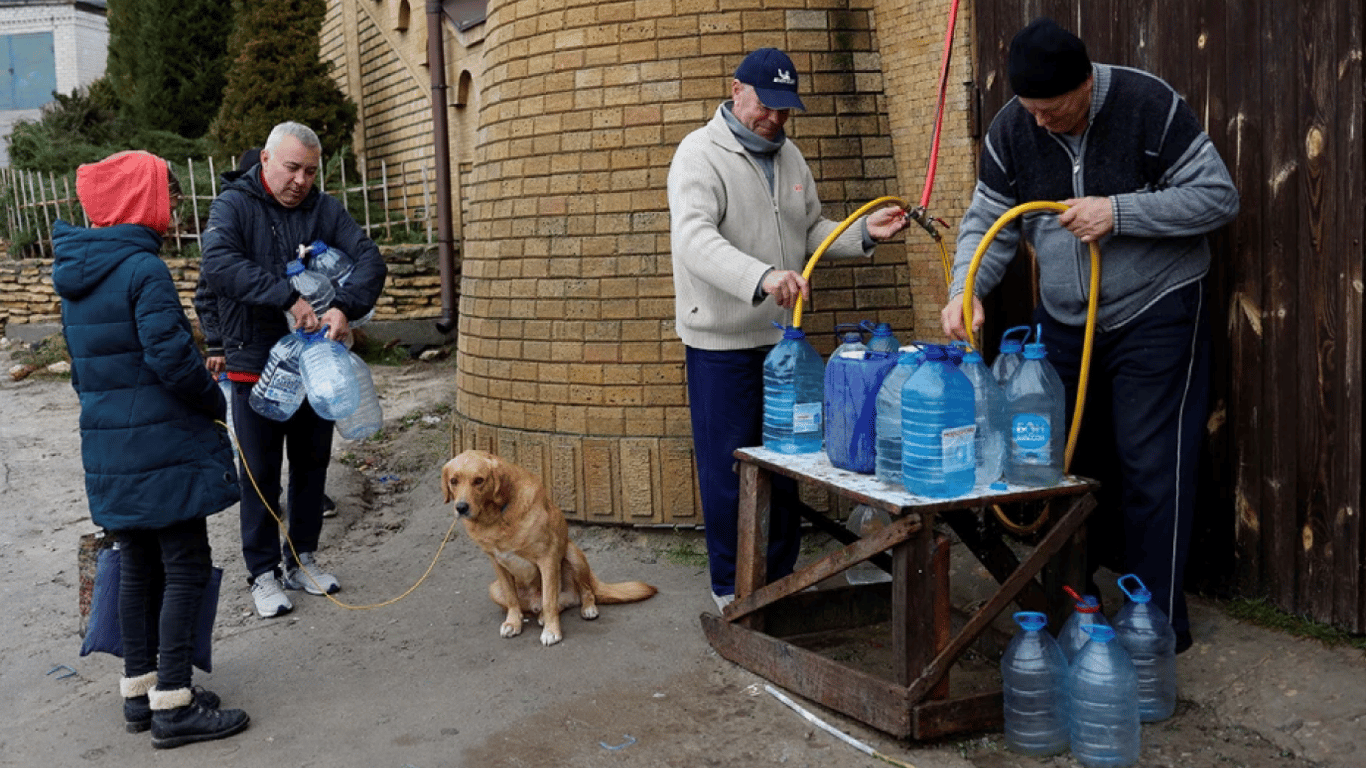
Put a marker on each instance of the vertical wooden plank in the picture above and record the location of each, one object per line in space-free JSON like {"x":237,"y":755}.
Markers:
{"x":751,"y":551}
{"x":384,"y":188}
{"x":913,"y":591}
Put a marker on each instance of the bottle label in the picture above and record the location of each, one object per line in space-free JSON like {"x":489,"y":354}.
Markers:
{"x":960,"y":448}
{"x":806,"y":417}
{"x":1031,"y":434}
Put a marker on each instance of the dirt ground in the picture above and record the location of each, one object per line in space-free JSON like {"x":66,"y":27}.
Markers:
{"x":427,"y":682}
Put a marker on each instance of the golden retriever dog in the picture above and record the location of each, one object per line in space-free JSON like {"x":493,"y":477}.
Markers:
{"x":506,"y":511}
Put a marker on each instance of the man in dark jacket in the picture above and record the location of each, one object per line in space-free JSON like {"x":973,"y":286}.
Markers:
{"x":255,"y":228}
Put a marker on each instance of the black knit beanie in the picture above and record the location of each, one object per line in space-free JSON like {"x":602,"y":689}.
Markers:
{"x":1046,"y":60}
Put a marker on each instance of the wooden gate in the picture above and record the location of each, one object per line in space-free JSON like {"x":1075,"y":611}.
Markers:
{"x":1279,"y":88}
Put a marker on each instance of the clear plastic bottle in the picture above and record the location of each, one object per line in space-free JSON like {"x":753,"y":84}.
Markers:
{"x":865,"y":520}
{"x":938,"y":429}
{"x":888,"y":430}
{"x":1033,"y":687}
{"x":280,"y":390}
{"x":313,"y":286}
{"x":991,"y":417}
{"x":331,"y":262}
{"x":225,"y":386}
{"x":1009,"y":357}
{"x":1036,"y":420}
{"x":1085,"y":612}
{"x":794,"y":383}
{"x":1102,"y":698}
{"x":368,"y":417}
{"x":851,"y":340}
{"x":329,"y":378}
{"x":882,"y":339}
{"x":1147,"y":635}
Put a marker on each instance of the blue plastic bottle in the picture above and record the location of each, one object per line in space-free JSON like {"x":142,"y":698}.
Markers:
{"x":329,"y":378}
{"x":794,"y":383}
{"x":1035,"y":416}
{"x":851,"y":340}
{"x":280,"y":390}
{"x":1102,"y":699}
{"x":331,"y":262}
{"x":852,"y":382}
{"x":1010,"y":355}
{"x":1034,"y":688}
{"x":1085,"y":612}
{"x":882,"y":340}
{"x":888,"y":447}
{"x":368,"y":417}
{"x":938,"y":429}
{"x":991,"y":416}
{"x":1147,"y":635}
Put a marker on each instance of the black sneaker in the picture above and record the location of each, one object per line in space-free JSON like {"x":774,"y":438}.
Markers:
{"x":137,"y":711}
{"x":177,"y":727}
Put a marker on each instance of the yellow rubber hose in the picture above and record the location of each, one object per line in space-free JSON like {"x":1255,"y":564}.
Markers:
{"x":815,"y":257}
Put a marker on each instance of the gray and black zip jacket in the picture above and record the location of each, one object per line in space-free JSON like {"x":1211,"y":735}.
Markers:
{"x":1145,"y":150}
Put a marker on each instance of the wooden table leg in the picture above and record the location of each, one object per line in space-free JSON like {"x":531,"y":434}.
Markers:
{"x":913,"y":606}
{"x":751,"y":554}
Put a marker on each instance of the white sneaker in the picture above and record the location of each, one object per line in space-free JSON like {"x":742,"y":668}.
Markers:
{"x":310,"y":578}
{"x":722,"y":601}
{"x":270,"y":598}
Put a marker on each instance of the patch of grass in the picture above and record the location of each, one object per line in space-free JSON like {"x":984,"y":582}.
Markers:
{"x":685,"y":552}
{"x":376,"y":352}
{"x":1263,"y":614}
{"x":42,"y":354}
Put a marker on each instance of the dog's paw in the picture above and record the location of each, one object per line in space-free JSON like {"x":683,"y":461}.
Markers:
{"x":589,"y":612}
{"x":550,"y":637}
{"x":510,"y":629}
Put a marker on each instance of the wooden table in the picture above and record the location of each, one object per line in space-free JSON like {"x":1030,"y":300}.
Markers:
{"x":913,"y":699}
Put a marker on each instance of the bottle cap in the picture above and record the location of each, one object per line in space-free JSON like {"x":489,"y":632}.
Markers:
{"x":1035,"y":351}
{"x":936,"y":352}
{"x":1140,"y":594}
{"x":294,"y":267}
{"x":1031,"y":620}
{"x":793,"y":332}
{"x":972,"y":356}
{"x":317,"y":247}
{"x":1101,"y":633}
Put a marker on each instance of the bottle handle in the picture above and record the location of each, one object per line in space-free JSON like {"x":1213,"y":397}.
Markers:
{"x":1142,"y":588}
{"x":1023,"y":338}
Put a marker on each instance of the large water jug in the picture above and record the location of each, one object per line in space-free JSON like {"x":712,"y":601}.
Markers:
{"x":851,"y":340}
{"x":280,"y":390}
{"x":991,"y":417}
{"x":1034,"y":689}
{"x":888,"y":430}
{"x":1147,"y":635}
{"x":852,"y":382}
{"x":865,"y":520}
{"x":331,"y":262}
{"x":1010,"y":355}
{"x":1085,"y":612}
{"x":329,"y":378}
{"x":938,"y":429}
{"x":368,"y":417}
{"x":794,"y":383}
{"x":1102,"y":699}
{"x":1035,"y":417}
{"x":882,"y":339}
{"x":313,"y":287}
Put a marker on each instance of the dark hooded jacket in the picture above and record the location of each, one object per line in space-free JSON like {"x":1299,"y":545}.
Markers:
{"x":249,"y":240}
{"x":152,"y":453}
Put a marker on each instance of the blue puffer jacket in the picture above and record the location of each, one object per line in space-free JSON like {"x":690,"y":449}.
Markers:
{"x":152,"y":453}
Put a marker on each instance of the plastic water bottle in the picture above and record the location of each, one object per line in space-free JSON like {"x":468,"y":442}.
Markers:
{"x":329,"y":378}
{"x":280,"y":390}
{"x":882,"y":339}
{"x":852,"y":382}
{"x":938,"y":429}
{"x":888,"y":446}
{"x":1147,"y":635}
{"x":1085,"y":612}
{"x":991,"y":417}
{"x":1035,"y":417}
{"x":793,"y":392}
{"x":864,"y":521}
{"x":851,"y":340}
{"x":368,"y":417}
{"x":225,"y":386}
{"x":1034,"y":687}
{"x":313,"y":286}
{"x":1010,"y":357}
{"x":1102,"y":698}
{"x":331,"y":262}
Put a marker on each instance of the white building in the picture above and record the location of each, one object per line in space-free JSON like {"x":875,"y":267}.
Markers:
{"x":46,"y":46}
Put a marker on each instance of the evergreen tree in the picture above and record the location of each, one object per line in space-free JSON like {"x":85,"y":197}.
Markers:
{"x":277,"y":74}
{"x":167,"y":61}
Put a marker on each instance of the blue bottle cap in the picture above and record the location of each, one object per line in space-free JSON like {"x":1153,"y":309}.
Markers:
{"x":294,"y":267}
{"x":1101,"y":633}
{"x":317,"y":247}
{"x":793,"y":332}
{"x":882,"y":329}
{"x":972,"y":356}
{"x":1030,"y":620}
{"x":1035,"y":351}
{"x":936,"y":352}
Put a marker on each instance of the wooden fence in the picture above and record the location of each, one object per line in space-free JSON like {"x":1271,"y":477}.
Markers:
{"x":399,"y":199}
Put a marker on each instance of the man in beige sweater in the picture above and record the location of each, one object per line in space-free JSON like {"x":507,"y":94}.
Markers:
{"x":745,"y":217}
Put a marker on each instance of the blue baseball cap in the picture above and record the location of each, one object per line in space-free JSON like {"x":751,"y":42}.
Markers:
{"x":773,"y":76}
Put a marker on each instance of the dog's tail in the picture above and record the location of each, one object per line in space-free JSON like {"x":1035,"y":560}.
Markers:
{"x":622,"y":591}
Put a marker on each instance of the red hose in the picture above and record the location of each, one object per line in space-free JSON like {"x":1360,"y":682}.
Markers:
{"x":939,"y":116}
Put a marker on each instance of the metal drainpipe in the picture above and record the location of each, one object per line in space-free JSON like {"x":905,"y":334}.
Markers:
{"x":445,"y":238}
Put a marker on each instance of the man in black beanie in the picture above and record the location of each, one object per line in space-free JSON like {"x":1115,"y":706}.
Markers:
{"x":1141,"y":179}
